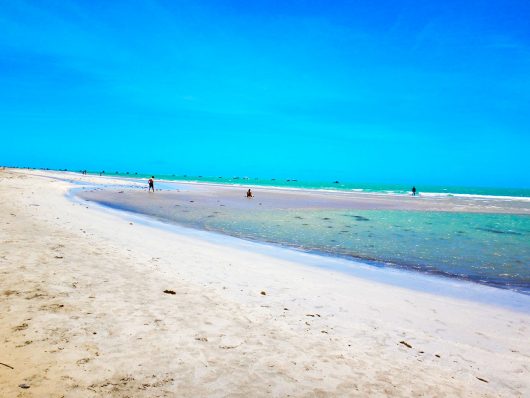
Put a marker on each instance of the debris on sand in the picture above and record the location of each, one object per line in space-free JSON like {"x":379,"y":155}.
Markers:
{"x":405,"y":344}
{"x":169,"y":291}
{"x":18,"y":328}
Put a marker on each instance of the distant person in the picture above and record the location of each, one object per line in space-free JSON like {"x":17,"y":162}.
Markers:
{"x":413,"y":191}
{"x":249,"y":194}
{"x":151,"y":183}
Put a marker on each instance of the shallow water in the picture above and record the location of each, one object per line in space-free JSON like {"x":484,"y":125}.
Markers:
{"x":492,"y":249}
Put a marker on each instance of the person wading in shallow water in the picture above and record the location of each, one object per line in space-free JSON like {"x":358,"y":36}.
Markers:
{"x":249,"y":194}
{"x":151,"y":183}
{"x":413,"y":191}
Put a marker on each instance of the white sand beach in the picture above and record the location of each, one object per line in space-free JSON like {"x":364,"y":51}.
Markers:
{"x":83,"y":313}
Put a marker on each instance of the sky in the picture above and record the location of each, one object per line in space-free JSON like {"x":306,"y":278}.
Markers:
{"x":419,"y":92}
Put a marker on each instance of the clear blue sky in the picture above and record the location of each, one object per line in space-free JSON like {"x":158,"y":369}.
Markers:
{"x":379,"y":91}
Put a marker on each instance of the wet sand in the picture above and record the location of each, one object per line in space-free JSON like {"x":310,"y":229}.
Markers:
{"x":214,"y":195}
{"x":96,"y":304}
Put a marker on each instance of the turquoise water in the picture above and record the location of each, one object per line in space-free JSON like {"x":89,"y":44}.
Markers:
{"x":486,"y":248}
{"x":332,"y":185}
{"x":492,"y":249}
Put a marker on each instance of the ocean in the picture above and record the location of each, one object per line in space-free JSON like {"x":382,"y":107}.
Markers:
{"x":334,"y":185}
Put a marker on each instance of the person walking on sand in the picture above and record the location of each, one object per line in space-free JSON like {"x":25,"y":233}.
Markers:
{"x":151,"y":183}
{"x":413,"y":191}
{"x":249,"y":194}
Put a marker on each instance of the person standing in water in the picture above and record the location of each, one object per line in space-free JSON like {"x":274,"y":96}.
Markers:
{"x":151,"y":183}
{"x":413,"y":191}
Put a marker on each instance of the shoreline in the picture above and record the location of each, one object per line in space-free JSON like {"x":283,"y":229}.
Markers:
{"x":87,"y":315}
{"x":275,"y":217}
{"x":251,"y":182}
{"x":344,"y":263}
{"x":363,"y":191}
{"x":372,"y":270}
{"x":345,"y":199}
{"x":360,"y":191}
{"x":117,"y":182}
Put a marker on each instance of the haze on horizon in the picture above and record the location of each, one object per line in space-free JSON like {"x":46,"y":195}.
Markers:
{"x":393,"y":91}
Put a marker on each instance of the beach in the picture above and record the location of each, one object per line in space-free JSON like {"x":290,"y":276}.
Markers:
{"x":97,"y":302}
{"x":478,"y":238}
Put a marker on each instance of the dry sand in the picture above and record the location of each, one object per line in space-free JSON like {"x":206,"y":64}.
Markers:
{"x":83,"y":313}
